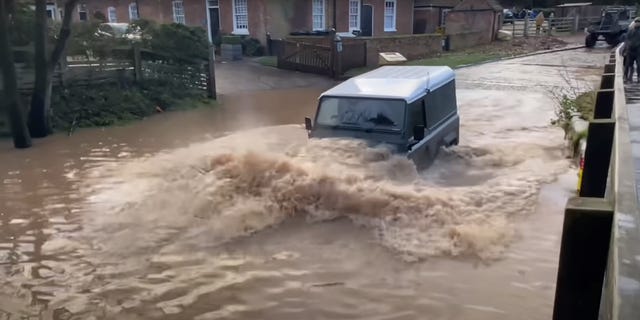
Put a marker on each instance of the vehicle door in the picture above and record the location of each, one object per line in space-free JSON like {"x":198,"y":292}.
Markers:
{"x":418,"y":133}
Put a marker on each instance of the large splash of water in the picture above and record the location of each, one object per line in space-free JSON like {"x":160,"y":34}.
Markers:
{"x":243,"y":183}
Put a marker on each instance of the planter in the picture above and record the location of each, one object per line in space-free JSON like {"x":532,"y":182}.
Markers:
{"x":231,"y":51}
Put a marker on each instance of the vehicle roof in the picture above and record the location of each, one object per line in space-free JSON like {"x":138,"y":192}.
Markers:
{"x":394,"y":82}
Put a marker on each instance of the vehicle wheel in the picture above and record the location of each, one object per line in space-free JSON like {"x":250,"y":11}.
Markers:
{"x":612,"y":40}
{"x":590,"y":40}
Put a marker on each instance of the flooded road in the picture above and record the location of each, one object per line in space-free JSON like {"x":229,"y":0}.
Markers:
{"x":229,"y":213}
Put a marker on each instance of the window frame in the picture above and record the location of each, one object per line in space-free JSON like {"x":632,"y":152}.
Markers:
{"x":178,"y":18}
{"x":236,"y":30}
{"x":82,"y":8}
{"x":359,"y":16}
{"x":394,"y":16}
{"x":113,"y":10}
{"x":313,"y":15}
{"x":133,"y":15}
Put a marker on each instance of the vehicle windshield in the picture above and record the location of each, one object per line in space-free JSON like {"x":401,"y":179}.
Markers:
{"x":374,"y":114}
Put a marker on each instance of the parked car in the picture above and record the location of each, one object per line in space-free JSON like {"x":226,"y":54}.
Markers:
{"x":118,"y":30}
{"x":509,"y":17}
{"x":412,"y":108}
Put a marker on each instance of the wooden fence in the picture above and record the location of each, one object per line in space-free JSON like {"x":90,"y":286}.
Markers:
{"x":126,"y":64}
{"x":317,"y":58}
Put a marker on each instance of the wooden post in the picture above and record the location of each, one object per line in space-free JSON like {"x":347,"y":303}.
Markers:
{"x":586,"y":234}
{"x":212,"y":74}
{"x":526,"y":25}
{"x":597,"y":158}
{"x":137,"y":63}
{"x":603,"y":108}
{"x":576,"y":23}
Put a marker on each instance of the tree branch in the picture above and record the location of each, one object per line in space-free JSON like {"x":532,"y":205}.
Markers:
{"x":65,"y":33}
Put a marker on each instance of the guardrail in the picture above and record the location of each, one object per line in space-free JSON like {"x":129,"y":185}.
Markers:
{"x":599,"y":267}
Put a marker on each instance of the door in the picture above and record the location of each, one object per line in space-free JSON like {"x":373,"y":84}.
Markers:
{"x":214,"y":23}
{"x":366,"y":23}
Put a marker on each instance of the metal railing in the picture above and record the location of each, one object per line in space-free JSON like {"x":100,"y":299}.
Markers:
{"x":599,"y":267}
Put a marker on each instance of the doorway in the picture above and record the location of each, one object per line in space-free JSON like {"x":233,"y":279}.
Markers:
{"x":367,"y":21}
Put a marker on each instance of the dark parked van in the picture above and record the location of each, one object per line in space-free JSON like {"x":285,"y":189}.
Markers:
{"x":412,"y":108}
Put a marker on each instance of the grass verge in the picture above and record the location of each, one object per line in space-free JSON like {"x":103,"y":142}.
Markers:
{"x":452,"y":60}
{"x":268,"y":61}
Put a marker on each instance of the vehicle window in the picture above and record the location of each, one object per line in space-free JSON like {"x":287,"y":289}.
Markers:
{"x":361,"y":113}
{"x":440,"y":104}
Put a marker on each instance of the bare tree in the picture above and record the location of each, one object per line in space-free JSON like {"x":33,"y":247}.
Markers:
{"x":39,"y":122}
{"x":21,"y":138}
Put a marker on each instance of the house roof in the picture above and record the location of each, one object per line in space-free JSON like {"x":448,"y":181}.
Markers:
{"x":479,"y":5}
{"x":394,"y":82}
{"x":436,"y":3}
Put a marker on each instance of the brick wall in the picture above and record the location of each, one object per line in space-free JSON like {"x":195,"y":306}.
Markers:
{"x":465,"y":40}
{"x":426,"y":20}
{"x":404,"y":16}
{"x":411,"y":46}
{"x":160,"y":11}
{"x":466,"y":21}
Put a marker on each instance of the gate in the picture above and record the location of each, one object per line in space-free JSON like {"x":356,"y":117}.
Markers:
{"x":305,"y":57}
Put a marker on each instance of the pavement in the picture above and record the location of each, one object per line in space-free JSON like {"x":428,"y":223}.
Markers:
{"x":632,"y":94}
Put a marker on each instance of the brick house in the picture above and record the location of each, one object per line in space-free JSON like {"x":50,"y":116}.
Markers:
{"x":429,"y":15}
{"x":256,"y":18}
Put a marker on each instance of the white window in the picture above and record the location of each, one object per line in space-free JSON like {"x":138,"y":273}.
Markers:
{"x":52,"y":11}
{"x":178,"y":12}
{"x":133,"y":11}
{"x":112,"y":15}
{"x":318,"y":14}
{"x":390,"y":15}
{"x":82,"y":12}
{"x":443,"y":17}
{"x":354,"y":15}
{"x":240,"y":17}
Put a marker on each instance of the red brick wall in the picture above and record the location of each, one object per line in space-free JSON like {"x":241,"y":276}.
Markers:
{"x":471,"y":21}
{"x":160,"y":11}
{"x":404,"y":16}
{"x":426,"y":20}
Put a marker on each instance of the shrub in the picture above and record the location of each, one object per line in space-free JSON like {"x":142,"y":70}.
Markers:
{"x":231,"y":40}
{"x":252,"y":47}
{"x":178,"y":40}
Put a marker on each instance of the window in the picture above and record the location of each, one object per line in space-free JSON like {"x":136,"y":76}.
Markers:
{"x":390,"y":15}
{"x":443,"y":17}
{"x":240,"y":17}
{"x":416,"y":114}
{"x":441,"y":103}
{"x":213,"y":3}
{"x":354,"y":15}
{"x":318,"y":14}
{"x":52,"y":11}
{"x":133,"y":11}
{"x":112,"y":15}
{"x":178,"y":12}
{"x":362,"y":113}
{"x":82,"y":12}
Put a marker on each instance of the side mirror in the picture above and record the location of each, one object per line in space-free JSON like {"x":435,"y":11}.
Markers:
{"x":307,"y":123}
{"x":418,"y":132}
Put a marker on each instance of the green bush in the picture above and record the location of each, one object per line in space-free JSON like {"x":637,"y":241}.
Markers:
{"x":178,"y":40}
{"x":252,"y":47}
{"x":231,"y":40}
{"x":108,"y":103}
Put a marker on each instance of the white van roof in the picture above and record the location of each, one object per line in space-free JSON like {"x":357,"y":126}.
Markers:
{"x":394,"y":82}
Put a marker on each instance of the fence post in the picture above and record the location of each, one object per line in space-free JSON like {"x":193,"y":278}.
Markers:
{"x":269,"y":44}
{"x":137,"y":63}
{"x":526,"y":26}
{"x":576,"y":23}
{"x":211,"y":83}
{"x":584,"y":250}
{"x":597,"y":158}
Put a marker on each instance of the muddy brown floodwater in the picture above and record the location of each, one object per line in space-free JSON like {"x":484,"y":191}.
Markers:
{"x":230,"y":213}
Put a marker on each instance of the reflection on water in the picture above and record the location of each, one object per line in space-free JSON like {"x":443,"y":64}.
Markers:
{"x":176,"y":217}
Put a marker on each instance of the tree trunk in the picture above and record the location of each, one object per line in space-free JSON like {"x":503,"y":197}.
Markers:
{"x":38,"y":118}
{"x":39,"y":114}
{"x":21,"y":138}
